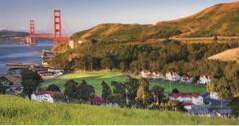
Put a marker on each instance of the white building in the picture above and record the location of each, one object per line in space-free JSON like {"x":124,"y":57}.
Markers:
{"x":50,"y":73}
{"x":197,"y":100}
{"x":204,"y":79}
{"x":74,"y":44}
{"x":186,"y":79}
{"x":172,"y":76}
{"x":214,"y":95}
{"x":42,"y":98}
{"x":154,"y":75}
{"x":80,"y":41}
{"x":145,"y":74}
{"x":187,"y":106}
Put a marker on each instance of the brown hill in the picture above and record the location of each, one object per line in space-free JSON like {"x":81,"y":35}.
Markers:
{"x":221,"y":19}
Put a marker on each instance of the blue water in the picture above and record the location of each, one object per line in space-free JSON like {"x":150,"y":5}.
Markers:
{"x":12,"y":52}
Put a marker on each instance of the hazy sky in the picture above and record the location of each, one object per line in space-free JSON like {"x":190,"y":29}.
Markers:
{"x":82,"y":14}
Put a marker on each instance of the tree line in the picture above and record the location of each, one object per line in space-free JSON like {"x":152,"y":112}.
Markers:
{"x":169,"y":55}
{"x":132,"y":93}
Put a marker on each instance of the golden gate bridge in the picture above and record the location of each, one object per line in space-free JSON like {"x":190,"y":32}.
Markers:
{"x":56,"y":36}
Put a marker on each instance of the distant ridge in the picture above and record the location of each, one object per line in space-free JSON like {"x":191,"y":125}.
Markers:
{"x":220,"y":19}
{"x":8,"y":33}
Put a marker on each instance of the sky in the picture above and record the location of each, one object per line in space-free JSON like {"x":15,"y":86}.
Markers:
{"x":79,"y":15}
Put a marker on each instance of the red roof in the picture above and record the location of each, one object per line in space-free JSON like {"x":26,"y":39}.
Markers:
{"x":187,"y":104}
{"x":97,"y":100}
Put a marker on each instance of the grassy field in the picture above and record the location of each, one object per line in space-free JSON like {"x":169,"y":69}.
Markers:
{"x":15,"y":110}
{"x":183,"y":87}
{"x":95,"y":79}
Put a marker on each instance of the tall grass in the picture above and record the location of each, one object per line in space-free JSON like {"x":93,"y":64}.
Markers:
{"x":15,"y":110}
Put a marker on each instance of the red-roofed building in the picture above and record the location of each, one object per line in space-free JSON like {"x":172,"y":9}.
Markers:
{"x":187,"y":106}
{"x":194,"y":98}
{"x":97,"y":100}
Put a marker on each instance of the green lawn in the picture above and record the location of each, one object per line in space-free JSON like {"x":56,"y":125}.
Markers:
{"x":95,"y":79}
{"x":15,"y":110}
{"x":169,"y":86}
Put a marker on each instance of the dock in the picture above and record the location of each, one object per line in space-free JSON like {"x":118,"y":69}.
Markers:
{"x":44,"y":71}
{"x":20,"y":66}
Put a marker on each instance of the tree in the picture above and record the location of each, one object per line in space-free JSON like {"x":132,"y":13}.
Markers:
{"x":221,"y":87}
{"x":215,"y":37}
{"x":232,"y":76}
{"x":119,"y":94}
{"x":131,"y":90}
{"x":234,"y":105}
{"x":158,"y":93}
{"x":143,"y":93}
{"x":85,"y":92}
{"x":53,"y":87}
{"x":30,"y":81}
{"x":60,"y":60}
{"x":174,"y":105}
{"x":2,"y":89}
{"x":71,"y":89}
{"x":107,"y":62}
{"x":5,"y":81}
{"x":175,"y":90}
{"x":106,"y":92}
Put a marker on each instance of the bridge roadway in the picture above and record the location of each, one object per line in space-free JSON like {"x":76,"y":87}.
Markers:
{"x":48,"y":36}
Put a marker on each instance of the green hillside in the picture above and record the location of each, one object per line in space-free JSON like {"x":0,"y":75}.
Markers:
{"x":126,"y":32}
{"x":221,"y":19}
{"x":15,"y":110}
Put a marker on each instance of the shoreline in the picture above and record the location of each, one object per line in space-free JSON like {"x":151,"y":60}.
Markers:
{"x":15,"y":52}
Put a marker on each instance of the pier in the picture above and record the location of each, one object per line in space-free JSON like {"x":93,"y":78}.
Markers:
{"x":20,"y":66}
